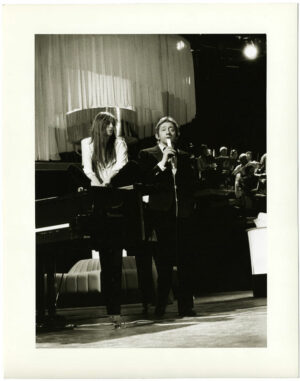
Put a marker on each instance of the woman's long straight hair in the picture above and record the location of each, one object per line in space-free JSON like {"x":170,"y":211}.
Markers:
{"x":104,"y":145}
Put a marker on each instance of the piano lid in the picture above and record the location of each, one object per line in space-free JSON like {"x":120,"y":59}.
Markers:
{"x":61,"y":210}
{"x":52,"y":227}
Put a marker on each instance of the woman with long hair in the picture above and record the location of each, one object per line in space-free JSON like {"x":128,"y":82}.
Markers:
{"x":105,"y":152}
{"x":103,"y":155}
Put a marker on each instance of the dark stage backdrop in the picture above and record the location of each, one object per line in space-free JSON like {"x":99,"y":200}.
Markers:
{"x":230,"y":93}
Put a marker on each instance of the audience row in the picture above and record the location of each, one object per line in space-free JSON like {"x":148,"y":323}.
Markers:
{"x":239,"y":172}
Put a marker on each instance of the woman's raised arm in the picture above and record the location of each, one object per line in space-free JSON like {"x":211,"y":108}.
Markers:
{"x":118,"y":125}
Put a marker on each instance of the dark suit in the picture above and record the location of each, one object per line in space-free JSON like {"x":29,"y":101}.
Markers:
{"x":172,"y":234}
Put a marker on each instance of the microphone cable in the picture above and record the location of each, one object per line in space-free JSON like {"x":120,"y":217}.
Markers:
{"x":175,"y":192}
{"x":174,"y":171}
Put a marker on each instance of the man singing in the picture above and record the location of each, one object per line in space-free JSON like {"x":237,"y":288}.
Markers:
{"x":169,"y":173}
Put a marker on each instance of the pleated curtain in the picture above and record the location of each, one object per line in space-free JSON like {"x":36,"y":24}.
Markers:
{"x":152,"y":75}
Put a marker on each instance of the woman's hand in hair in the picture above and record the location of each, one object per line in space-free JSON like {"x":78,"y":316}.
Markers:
{"x":118,"y":123}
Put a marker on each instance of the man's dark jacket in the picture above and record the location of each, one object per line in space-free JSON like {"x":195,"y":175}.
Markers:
{"x":161,"y":195}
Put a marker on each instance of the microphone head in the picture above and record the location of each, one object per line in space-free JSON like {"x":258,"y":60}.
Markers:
{"x":169,"y":143}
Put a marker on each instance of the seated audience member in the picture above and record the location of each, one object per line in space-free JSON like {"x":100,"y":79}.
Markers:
{"x":245,"y":181}
{"x":262,"y":168}
{"x":202,"y":162}
{"x":205,"y":161}
{"x":210,"y":158}
{"x":240,"y":168}
{"x":237,"y":173}
{"x":206,"y":167}
{"x":250,"y":158}
{"x":249,"y":180}
{"x":261,"y":174}
{"x":223,"y":166}
{"x":249,"y":155}
{"x":170,"y":219}
{"x":223,"y":159}
{"x":233,"y":157}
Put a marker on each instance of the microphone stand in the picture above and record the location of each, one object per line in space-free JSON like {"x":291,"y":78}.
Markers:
{"x":174,"y":170}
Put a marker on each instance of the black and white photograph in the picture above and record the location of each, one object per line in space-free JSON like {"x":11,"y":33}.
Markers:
{"x":157,"y":216}
{"x":151,"y":190}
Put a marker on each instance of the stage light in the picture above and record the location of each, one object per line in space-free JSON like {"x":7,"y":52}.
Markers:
{"x":180,"y":45}
{"x":250,"y":51}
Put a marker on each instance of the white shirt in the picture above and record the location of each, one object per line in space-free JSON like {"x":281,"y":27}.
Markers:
{"x":87,"y":149}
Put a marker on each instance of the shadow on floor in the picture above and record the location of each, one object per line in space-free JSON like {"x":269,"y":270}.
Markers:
{"x":216,"y":317}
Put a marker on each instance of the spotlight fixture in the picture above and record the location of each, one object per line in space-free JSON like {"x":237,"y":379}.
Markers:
{"x":180,"y":45}
{"x":250,"y":51}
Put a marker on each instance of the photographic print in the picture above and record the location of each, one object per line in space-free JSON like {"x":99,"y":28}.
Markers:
{"x":150,"y":219}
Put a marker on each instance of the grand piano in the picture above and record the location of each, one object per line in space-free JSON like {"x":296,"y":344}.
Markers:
{"x":67,"y":222}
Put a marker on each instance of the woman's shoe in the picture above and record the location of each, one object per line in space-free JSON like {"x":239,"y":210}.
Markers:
{"x":117,"y":321}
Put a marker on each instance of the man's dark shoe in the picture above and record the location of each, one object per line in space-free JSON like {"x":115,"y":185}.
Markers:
{"x":159,"y":312}
{"x":188,"y":313}
{"x":146,"y":308}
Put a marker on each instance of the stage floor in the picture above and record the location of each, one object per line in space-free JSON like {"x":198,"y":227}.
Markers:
{"x":225,"y":320}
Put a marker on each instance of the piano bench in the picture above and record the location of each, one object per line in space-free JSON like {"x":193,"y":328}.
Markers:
{"x":82,"y":286}
{"x":83,"y":277}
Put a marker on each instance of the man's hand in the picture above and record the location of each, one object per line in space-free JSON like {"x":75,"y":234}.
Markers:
{"x":168,"y":152}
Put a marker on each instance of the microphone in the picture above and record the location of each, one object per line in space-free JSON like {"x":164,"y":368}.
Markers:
{"x":173,"y":163}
